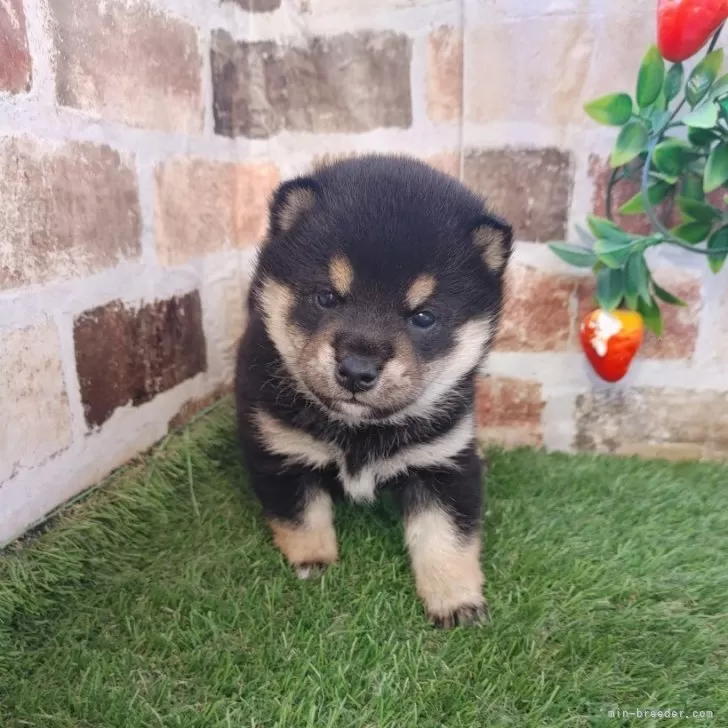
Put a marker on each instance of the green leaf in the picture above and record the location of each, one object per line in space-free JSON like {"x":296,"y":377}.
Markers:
{"x":704,"y":117}
{"x":723,"y":106}
{"x":720,"y":87}
{"x":637,"y":283}
{"x":613,"y":254}
{"x":671,"y":156}
{"x":652,"y":315}
{"x":604,"y":229}
{"x":656,"y":193}
{"x":702,"y":77}
{"x":612,"y":109}
{"x":650,"y":77}
{"x":574,"y":254}
{"x":666,"y":296}
{"x":631,"y":140}
{"x":692,"y":187}
{"x":610,"y":288}
{"x":696,"y":210}
{"x":673,"y":81}
{"x":586,"y":238}
{"x":692,"y":232}
{"x":716,"y":168}
{"x":700,"y":137}
{"x":718,"y":240}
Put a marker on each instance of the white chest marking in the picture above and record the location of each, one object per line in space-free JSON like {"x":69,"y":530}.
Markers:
{"x":300,"y":448}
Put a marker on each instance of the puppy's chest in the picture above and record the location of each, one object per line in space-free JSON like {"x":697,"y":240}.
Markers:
{"x":364,"y":461}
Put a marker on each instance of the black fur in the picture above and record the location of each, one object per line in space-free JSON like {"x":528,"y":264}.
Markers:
{"x":393,"y":219}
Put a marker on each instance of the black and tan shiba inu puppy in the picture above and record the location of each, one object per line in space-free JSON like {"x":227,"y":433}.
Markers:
{"x":375,"y":299}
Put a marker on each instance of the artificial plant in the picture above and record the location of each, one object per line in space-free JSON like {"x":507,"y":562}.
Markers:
{"x":673,"y":139}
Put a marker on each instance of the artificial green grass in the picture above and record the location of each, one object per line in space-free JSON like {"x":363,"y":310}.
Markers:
{"x":160,"y":601}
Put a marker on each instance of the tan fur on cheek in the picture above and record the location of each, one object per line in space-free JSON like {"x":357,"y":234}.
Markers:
{"x":421,"y":289}
{"x":313,"y":541}
{"x":277,"y":301}
{"x":341,"y":275}
{"x":447,"y":570}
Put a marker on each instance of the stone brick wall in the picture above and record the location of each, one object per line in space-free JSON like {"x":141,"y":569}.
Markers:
{"x":139,"y":143}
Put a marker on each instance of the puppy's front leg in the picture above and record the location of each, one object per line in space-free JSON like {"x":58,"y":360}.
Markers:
{"x":299,"y":512}
{"x":442,"y":531}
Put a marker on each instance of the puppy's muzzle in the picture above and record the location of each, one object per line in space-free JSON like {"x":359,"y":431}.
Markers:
{"x":358,"y":373}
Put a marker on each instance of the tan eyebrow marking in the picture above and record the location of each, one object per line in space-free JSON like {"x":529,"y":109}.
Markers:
{"x":341,"y":275}
{"x":420,"y":290}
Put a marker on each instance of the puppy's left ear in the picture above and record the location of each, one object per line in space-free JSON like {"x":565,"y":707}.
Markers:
{"x":494,"y":238}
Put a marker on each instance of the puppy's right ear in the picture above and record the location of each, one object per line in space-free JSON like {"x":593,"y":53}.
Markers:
{"x":291,"y":201}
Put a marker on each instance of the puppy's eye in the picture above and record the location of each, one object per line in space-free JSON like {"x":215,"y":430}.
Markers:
{"x":423,"y":319}
{"x":327,"y":299}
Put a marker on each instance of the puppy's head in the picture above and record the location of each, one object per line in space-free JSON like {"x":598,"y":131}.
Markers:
{"x":380,"y":284}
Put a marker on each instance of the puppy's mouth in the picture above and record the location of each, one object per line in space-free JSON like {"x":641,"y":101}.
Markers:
{"x":353,"y":408}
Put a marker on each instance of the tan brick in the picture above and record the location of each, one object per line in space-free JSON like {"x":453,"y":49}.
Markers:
{"x":324,"y":7}
{"x":203,"y":207}
{"x":681,"y":323}
{"x":531,"y":188}
{"x":536,"y":69}
{"x":651,"y":420}
{"x":624,"y":32}
{"x":66,"y":211}
{"x":447,"y":162}
{"x":536,"y":315}
{"x":257,"y":6}
{"x":508,"y":411}
{"x":224,"y":300}
{"x":36,"y":421}
{"x":720,"y":345}
{"x":544,"y":61}
{"x":353,"y":82}
{"x":600,"y":172}
{"x":128,"y":355}
{"x":445,"y":74}
{"x":15,"y":63}
{"x":128,"y":62}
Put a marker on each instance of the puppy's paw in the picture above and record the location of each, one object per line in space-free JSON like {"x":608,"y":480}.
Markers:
{"x":311,"y":569}
{"x":466,"y":615}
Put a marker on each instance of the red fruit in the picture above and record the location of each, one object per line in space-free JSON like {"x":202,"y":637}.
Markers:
{"x":610,"y":340}
{"x":684,"y":26}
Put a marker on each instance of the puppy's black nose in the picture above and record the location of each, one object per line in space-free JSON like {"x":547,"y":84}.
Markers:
{"x":357,"y":373}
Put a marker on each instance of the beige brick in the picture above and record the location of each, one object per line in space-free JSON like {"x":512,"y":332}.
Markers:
{"x":508,"y":411}
{"x":36,"y":421}
{"x":681,"y":324}
{"x":324,"y":7}
{"x":536,"y":69}
{"x":447,"y":162}
{"x":257,"y":6}
{"x":224,"y":301}
{"x":15,"y":63}
{"x":531,"y":188}
{"x":67,"y":211}
{"x":624,"y":33}
{"x":444,"y":74}
{"x":543,"y":63}
{"x":720,"y":340}
{"x":353,"y":82}
{"x":204,"y":207}
{"x":128,"y":62}
{"x":127,"y":355}
{"x":536,"y":315}
{"x":677,"y":423}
